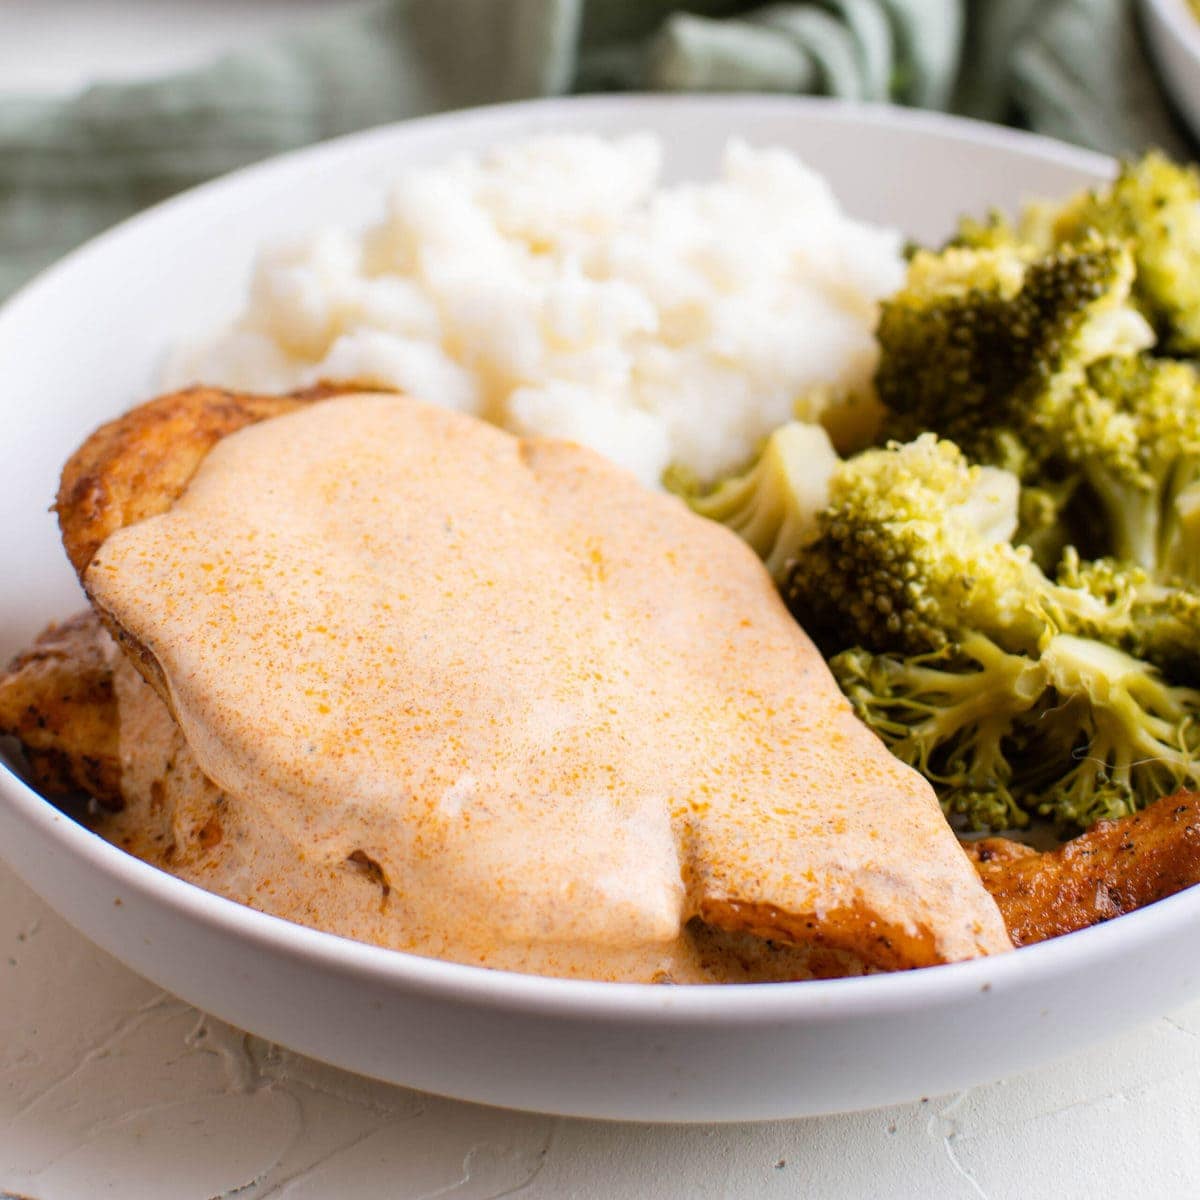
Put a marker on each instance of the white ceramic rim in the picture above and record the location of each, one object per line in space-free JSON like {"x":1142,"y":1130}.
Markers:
{"x":1180,"y":23}
{"x":613,"y":1002}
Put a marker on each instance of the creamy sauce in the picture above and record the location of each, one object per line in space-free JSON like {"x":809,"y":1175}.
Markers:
{"x":521,"y":711}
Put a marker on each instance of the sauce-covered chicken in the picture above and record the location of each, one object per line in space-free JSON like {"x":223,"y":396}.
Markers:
{"x":488,"y":699}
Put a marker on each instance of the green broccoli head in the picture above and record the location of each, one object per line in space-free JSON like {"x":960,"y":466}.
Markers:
{"x":913,"y":552}
{"x":951,"y":714}
{"x":1154,"y":206}
{"x":1157,"y":623}
{"x":774,"y":505}
{"x":1037,"y":366}
{"x":1023,"y":346}
{"x":1030,"y":235}
{"x":988,"y":349}
{"x":1133,"y":436}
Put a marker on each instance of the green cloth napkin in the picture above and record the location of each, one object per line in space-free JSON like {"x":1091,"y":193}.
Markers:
{"x":69,"y":167}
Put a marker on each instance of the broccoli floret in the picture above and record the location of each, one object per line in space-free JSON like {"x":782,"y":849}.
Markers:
{"x":913,"y":552}
{"x":1078,"y":732}
{"x":988,"y":349}
{"x":1154,"y":206}
{"x":774,"y":505}
{"x":1047,"y":521}
{"x":1049,"y":381}
{"x":1127,"y":736}
{"x":1073,"y":696}
{"x":1165,"y":630}
{"x":1031,"y":235}
{"x":1154,"y":622}
{"x":1010,"y":691}
{"x":1133,"y":434}
{"x":950,"y":714}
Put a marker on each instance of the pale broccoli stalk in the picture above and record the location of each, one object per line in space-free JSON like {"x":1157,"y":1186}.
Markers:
{"x":950,"y":714}
{"x":1079,"y":733}
{"x":774,"y":505}
{"x":1179,"y":543}
{"x":1128,"y":736}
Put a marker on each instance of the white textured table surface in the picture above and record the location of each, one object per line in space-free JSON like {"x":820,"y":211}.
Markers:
{"x":109,"y":1087}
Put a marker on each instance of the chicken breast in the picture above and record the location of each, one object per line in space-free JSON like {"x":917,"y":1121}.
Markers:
{"x":547,"y":716}
{"x":1113,"y":868}
{"x":58,"y":700}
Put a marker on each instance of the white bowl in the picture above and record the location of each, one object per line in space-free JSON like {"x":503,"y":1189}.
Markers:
{"x":84,"y":342}
{"x":1173,"y":32}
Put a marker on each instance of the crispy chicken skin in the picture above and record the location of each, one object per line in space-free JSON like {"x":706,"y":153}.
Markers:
{"x":138,"y":465}
{"x":1114,"y":868}
{"x":58,"y":700}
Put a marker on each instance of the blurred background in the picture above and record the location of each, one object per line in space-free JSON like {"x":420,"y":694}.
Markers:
{"x":107,"y":106}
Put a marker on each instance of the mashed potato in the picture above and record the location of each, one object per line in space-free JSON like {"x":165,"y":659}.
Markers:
{"x":554,"y":286}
